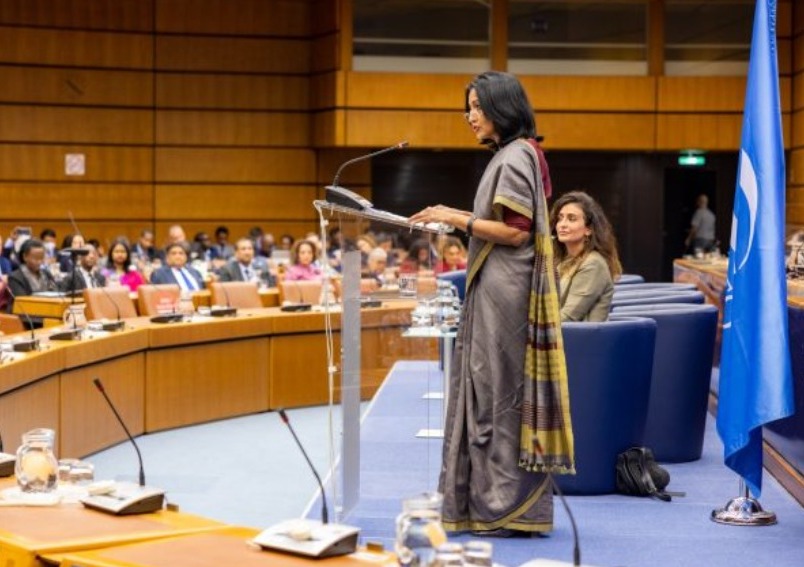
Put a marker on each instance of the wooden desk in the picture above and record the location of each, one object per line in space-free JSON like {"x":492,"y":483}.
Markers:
{"x":49,"y":309}
{"x":224,"y":547}
{"x":28,"y":533}
{"x":164,"y":376}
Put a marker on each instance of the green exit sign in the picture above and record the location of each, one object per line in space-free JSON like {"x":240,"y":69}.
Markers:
{"x":692,"y":160}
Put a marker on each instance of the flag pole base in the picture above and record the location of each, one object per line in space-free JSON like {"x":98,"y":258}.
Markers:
{"x":743,"y":511}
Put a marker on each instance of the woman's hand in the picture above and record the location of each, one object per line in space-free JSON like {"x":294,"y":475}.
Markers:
{"x":439,"y":213}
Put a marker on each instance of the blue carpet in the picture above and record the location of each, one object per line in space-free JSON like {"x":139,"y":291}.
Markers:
{"x":614,"y":529}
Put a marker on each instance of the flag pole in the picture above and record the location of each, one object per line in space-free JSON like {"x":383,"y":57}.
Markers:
{"x":743,"y":511}
{"x":756,"y":385}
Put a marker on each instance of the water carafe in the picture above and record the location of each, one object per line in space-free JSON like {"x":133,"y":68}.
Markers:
{"x":419,"y":531}
{"x":37,"y":468}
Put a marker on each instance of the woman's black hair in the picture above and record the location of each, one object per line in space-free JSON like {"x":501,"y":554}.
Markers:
{"x":124,"y":244}
{"x":503,"y":101}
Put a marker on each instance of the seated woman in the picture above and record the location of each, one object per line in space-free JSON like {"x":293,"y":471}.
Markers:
{"x":587,"y":258}
{"x":32,"y":276}
{"x":453,"y":256}
{"x":419,"y":258}
{"x":119,"y":267}
{"x":302,"y":258}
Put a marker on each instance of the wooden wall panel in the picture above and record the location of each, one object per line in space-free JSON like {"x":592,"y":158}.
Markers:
{"x":33,"y":406}
{"x":795,"y":168}
{"x":325,"y":52}
{"x":797,"y":121}
{"x":230,"y":92}
{"x":405,"y":90}
{"x":224,"y":165}
{"x":329,"y":129}
{"x":613,"y":94}
{"x":700,"y":131}
{"x":81,"y":125}
{"x":86,"y":423}
{"x":329,"y":160}
{"x":75,"y":48}
{"x":25,"y":162}
{"x":232,"y":55}
{"x":217,"y":128}
{"x":710,"y":94}
{"x":797,"y":88}
{"x":327,"y":90}
{"x":596,"y":131}
{"x":226,"y":17}
{"x":85,"y":200}
{"x":32,"y":85}
{"x":129,"y":15}
{"x":422,"y":129}
{"x":234,"y":202}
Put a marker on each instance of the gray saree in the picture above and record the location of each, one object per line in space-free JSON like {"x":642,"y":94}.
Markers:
{"x":508,"y":416}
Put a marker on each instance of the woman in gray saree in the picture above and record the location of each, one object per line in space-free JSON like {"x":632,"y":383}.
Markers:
{"x":508,"y":420}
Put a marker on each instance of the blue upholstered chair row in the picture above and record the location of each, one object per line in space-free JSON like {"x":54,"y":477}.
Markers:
{"x":682,"y":369}
{"x":627,"y":279}
{"x":652,"y":297}
{"x":655,"y":286}
{"x":609,"y":366}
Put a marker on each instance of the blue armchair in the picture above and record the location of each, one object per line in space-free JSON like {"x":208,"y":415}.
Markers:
{"x":609,"y":366}
{"x":651,"y":297}
{"x":682,"y":370}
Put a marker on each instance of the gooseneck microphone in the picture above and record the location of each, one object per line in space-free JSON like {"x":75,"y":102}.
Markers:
{"x":33,"y":342}
{"x":102,"y":390}
{"x":324,"y":511}
{"x":395,"y":147}
{"x":119,"y":323}
{"x":576,"y":549}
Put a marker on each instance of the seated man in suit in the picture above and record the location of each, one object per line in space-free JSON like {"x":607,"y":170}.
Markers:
{"x":87,"y":274}
{"x":245,"y":267}
{"x":177,"y":271}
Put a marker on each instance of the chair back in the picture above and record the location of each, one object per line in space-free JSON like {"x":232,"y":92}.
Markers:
{"x":10,"y":324}
{"x":109,"y":303}
{"x":301,"y":291}
{"x":624,"y":279}
{"x":663,"y":287}
{"x":609,"y":367}
{"x":682,"y":371}
{"x":243,"y":295}
{"x":156,"y":299}
{"x":652,"y":297}
{"x":456,"y":278}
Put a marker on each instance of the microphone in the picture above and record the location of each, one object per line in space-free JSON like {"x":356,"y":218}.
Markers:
{"x":324,"y":510}
{"x":73,"y":252}
{"x":24,"y":345}
{"x":395,"y":147}
{"x":576,"y":550}
{"x":223,"y":311}
{"x":309,"y":537}
{"x":349,"y":199}
{"x":117,"y":325}
{"x":124,"y":498}
{"x":102,"y":390}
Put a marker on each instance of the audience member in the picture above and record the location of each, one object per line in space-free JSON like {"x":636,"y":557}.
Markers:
{"x":222,"y":250}
{"x":302,"y":258}
{"x":70,"y":242}
{"x":376,"y":266}
{"x":286,"y":242}
{"x":48,"y":238}
{"x":246,"y":267}
{"x":201,"y":248}
{"x":418,"y":258}
{"x":119,"y":267}
{"x":31,"y":277}
{"x":177,"y":271}
{"x":5,"y":297}
{"x":87,"y":274}
{"x":701,"y":235}
{"x":144,"y":250}
{"x":453,"y":256}
{"x":587,"y":258}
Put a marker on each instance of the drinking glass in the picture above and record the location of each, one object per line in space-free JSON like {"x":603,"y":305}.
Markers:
{"x":477,"y":554}
{"x":408,"y":285}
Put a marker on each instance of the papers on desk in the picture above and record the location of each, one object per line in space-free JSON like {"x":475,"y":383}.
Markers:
{"x":15,"y":497}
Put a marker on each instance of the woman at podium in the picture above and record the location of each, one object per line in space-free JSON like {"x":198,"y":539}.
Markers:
{"x":508,"y":365}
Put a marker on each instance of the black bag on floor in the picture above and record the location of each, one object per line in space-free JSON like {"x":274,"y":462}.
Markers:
{"x":638,"y":474}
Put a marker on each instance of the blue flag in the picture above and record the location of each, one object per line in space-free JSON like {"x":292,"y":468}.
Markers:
{"x":756,"y":385}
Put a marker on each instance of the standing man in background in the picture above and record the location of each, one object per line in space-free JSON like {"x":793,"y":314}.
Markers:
{"x":702,"y":227}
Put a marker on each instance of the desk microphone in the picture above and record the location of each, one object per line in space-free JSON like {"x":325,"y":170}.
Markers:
{"x":124,"y":498}
{"x":227,"y":311}
{"x":346,"y":164}
{"x":117,"y":325}
{"x":24,"y":345}
{"x":349,"y":199}
{"x":72,"y":252}
{"x":309,"y":537}
{"x":324,"y":510}
{"x":576,"y":549}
